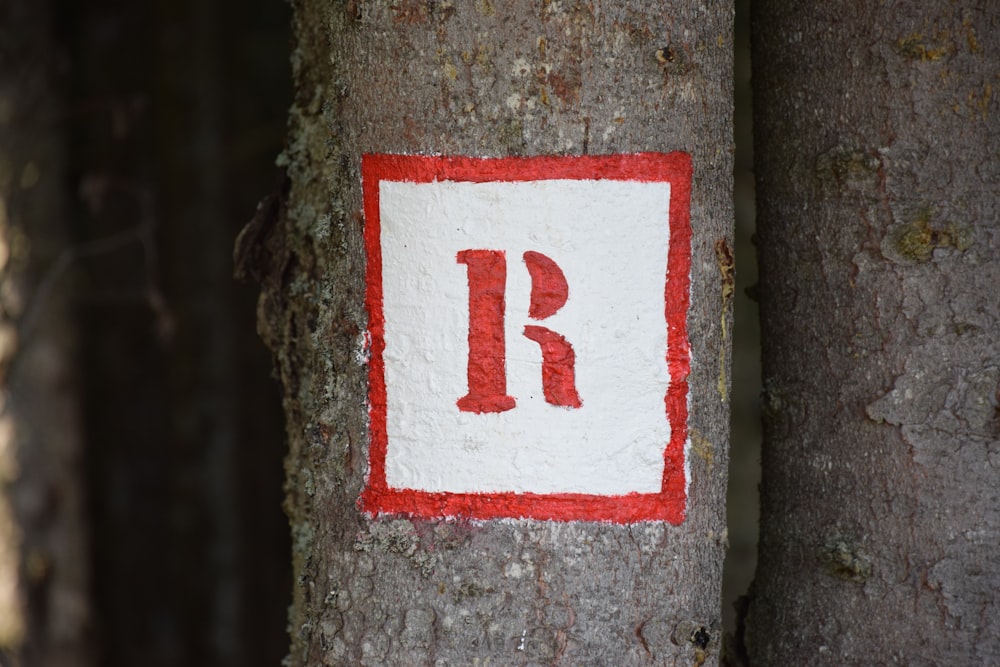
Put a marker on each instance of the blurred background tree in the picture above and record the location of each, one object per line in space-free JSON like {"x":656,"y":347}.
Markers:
{"x":136,"y":140}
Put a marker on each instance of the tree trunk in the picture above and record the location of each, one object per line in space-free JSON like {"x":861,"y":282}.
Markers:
{"x":878,"y":182}
{"x":45,"y":610}
{"x":488,"y":79}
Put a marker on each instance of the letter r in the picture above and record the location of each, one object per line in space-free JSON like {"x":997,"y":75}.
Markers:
{"x":487,"y":364}
{"x":549,"y":293}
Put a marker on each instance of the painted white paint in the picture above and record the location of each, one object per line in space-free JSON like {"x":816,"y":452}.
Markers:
{"x":610,"y":238}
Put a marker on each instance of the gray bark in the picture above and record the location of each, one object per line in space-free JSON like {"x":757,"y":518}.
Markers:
{"x":440,"y":78}
{"x":878,"y":188}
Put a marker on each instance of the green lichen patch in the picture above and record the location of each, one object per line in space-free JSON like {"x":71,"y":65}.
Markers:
{"x":396,"y":537}
{"x":469,"y":590}
{"x":702,"y":448}
{"x":705,"y":639}
{"x":978,"y":101}
{"x":674,"y":59}
{"x":772,"y":404}
{"x":916,"y":240}
{"x":971,"y":38}
{"x":843,"y":559}
{"x":917,"y":46}
{"x":848,"y":167}
{"x":512,"y":136}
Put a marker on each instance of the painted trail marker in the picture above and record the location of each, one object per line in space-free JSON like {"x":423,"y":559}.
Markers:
{"x":529,"y":350}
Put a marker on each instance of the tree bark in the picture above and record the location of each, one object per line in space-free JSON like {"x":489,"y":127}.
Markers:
{"x":878,"y":182}
{"x":488,"y":79}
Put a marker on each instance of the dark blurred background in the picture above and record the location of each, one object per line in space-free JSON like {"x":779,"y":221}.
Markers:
{"x":174,"y":112}
{"x":744,"y":466}
{"x":171,"y":114}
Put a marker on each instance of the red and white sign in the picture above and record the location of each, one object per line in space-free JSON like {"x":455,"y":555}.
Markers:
{"x":527,"y":321}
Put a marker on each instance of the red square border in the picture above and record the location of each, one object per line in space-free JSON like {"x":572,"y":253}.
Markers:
{"x":669,"y":504}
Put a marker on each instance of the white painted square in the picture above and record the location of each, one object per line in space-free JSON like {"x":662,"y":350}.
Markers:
{"x":611,"y":240}
{"x":616,"y":456}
